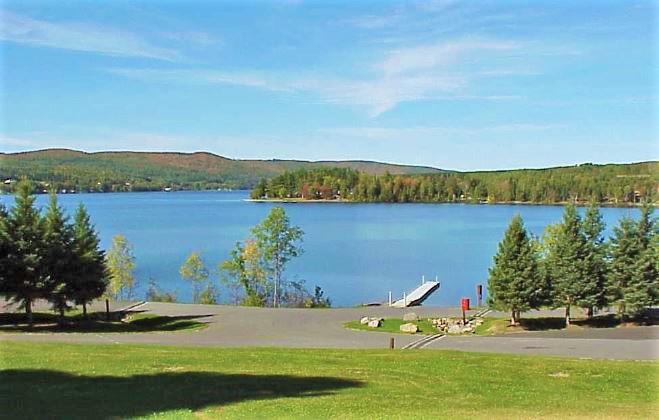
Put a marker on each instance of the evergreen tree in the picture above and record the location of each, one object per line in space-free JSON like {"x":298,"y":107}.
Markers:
{"x":634,"y":275}
{"x":514,"y":283}
{"x":90,"y":278}
{"x":565,"y":263}
{"x":594,"y":262}
{"x":58,"y":257}
{"x":5,"y":250}
{"x":621,"y":287}
{"x":645,"y":275}
{"x":24,"y":229}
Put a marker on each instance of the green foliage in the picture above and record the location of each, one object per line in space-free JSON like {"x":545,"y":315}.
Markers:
{"x":26,"y":279}
{"x":194,"y":270}
{"x":208,"y":295}
{"x":256,"y":266}
{"x":121,"y":264}
{"x":59,"y":169}
{"x":245,"y":270}
{"x":154,"y":294}
{"x":47,"y":257}
{"x":633,"y":279}
{"x":277,"y":242}
{"x":58,"y":257}
{"x":515,"y":283}
{"x":611,"y":184}
{"x":90,"y":274}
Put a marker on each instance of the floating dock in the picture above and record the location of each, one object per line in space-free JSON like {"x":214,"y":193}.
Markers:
{"x":417,"y":296}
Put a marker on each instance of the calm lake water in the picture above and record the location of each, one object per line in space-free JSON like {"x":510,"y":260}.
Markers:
{"x":356,"y":252}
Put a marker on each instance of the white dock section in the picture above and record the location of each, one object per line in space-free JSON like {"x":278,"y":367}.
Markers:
{"x":417,"y":296}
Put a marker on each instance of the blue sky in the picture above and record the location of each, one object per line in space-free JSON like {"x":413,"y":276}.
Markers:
{"x":454,"y":84}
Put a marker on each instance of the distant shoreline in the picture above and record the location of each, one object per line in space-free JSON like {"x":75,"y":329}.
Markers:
{"x":511,"y":203}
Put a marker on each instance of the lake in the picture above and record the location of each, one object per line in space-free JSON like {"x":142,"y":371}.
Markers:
{"x":356,"y":252}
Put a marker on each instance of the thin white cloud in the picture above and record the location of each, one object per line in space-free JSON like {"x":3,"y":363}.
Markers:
{"x":425,"y":72}
{"x":438,"y":55}
{"x":197,"y":76}
{"x":78,"y":36}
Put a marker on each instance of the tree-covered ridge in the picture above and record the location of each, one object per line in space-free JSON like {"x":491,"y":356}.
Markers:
{"x":613,"y":184}
{"x":147,"y":171}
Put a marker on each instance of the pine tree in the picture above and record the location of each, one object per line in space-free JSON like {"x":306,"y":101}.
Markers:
{"x":514,"y":283}
{"x":91,"y":274}
{"x":594,"y":262}
{"x":5,"y":250}
{"x":565,"y":263}
{"x":645,"y":274}
{"x":624,"y":250}
{"x":25,"y":232}
{"x":58,"y":258}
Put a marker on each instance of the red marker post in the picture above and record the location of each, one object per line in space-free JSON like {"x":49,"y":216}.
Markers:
{"x":464,"y":305}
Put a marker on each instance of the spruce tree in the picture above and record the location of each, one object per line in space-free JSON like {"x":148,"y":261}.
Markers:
{"x":25,"y":233}
{"x":645,"y":274}
{"x":91,"y":275}
{"x":5,"y":250}
{"x":594,"y":262}
{"x":565,"y":263}
{"x":58,"y":259}
{"x":514,"y":283}
{"x":624,"y":254}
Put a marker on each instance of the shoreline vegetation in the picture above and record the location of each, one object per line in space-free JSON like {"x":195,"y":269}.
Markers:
{"x":478,"y":203}
{"x":69,"y":171}
{"x":583,"y":184}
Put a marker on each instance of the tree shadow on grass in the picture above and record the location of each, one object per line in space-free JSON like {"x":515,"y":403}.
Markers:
{"x":96,"y":323}
{"x":54,"y":394}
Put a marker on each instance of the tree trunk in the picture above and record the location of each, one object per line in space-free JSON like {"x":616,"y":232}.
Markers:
{"x":513,"y":319}
{"x":28,"y":311}
{"x":61,"y":312}
{"x":84,"y":310}
{"x":567,"y":316}
{"x":589,"y":312}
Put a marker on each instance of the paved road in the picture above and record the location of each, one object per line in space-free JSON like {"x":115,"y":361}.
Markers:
{"x":231,"y":326}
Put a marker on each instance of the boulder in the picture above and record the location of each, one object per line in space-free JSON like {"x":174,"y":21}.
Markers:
{"x":374,"y":323}
{"x":410,"y":316}
{"x":455,"y":329}
{"x":409,"y":328}
{"x":364,"y":320}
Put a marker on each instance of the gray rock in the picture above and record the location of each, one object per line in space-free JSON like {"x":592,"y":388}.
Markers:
{"x":409,"y":328}
{"x":374,"y":323}
{"x":455,"y":329}
{"x":410,"y":316}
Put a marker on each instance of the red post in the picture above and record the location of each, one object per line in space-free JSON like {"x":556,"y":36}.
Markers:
{"x":464,"y":305}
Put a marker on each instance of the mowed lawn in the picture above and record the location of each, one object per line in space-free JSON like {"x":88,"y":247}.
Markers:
{"x":102,"y":381}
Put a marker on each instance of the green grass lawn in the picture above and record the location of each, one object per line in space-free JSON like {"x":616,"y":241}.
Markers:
{"x":392,"y":325}
{"x":74,"y":323}
{"x":119,"y":381}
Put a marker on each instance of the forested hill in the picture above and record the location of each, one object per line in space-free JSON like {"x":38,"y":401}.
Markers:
{"x":146,"y":171}
{"x":607,"y":184}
